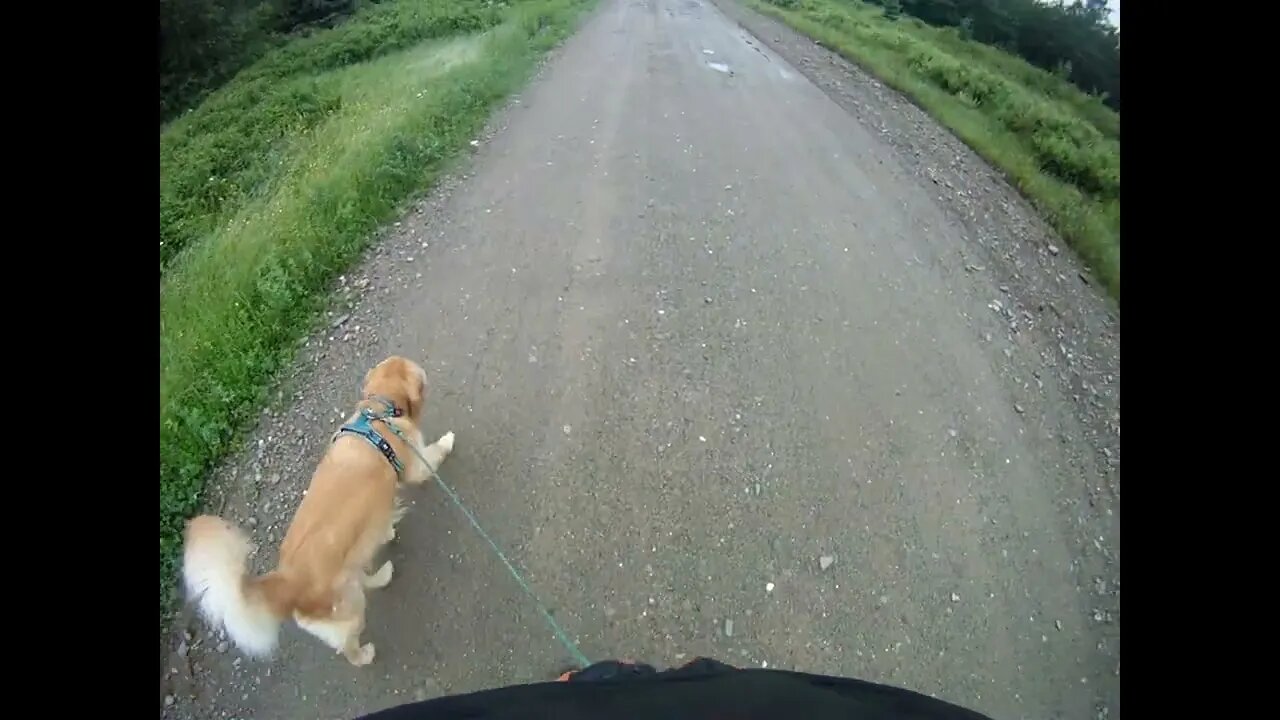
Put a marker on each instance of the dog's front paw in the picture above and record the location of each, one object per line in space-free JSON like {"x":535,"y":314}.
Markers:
{"x":446,"y":442}
{"x":364,"y":656}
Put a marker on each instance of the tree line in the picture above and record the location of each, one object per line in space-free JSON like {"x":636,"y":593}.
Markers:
{"x":1073,"y":39}
{"x":203,"y":43}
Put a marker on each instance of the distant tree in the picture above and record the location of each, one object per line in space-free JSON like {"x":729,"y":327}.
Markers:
{"x":202,"y":43}
{"x":935,"y":12}
{"x":1098,"y":8}
{"x":295,"y":13}
{"x":1073,"y":39}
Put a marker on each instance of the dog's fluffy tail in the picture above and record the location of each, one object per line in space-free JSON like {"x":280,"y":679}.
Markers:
{"x":215,"y":573}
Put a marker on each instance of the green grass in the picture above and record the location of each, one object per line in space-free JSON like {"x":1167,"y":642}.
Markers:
{"x":1060,"y":147}
{"x":273,"y":186}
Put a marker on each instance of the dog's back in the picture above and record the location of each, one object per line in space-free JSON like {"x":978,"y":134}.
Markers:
{"x":339,"y":525}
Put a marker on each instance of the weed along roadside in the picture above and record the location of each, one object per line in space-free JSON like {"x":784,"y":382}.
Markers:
{"x":1059,"y":146}
{"x":274,"y":184}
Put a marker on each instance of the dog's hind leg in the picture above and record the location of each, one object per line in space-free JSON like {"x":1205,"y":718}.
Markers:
{"x":397,"y":515}
{"x":379,"y":579}
{"x":357,"y":654}
{"x":342,"y":632}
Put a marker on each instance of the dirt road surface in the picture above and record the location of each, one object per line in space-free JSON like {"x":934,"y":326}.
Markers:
{"x":746,"y":359}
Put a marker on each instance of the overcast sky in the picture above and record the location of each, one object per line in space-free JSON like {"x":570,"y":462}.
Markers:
{"x":1114,"y":7}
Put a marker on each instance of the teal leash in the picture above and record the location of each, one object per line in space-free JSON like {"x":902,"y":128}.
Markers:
{"x":515,"y":574}
{"x":555,"y":626}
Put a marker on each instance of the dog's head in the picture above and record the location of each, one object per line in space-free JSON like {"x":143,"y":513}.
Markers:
{"x":399,"y":380}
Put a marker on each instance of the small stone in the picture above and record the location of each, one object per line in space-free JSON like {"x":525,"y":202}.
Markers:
{"x":223,"y":646}
{"x":168,"y":700}
{"x":826,"y":561}
{"x":1018,"y":408}
{"x":340,"y":320}
{"x":568,"y":429}
{"x":1057,"y":624}
{"x":706,"y":300}
{"x":952,"y":432}
{"x":768,"y":587}
{"x":1053,"y":249}
{"x":728,"y":628}
{"x":183,"y":649}
{"x":955,"y":598}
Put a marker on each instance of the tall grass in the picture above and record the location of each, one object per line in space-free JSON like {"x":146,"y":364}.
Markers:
{"x":1060,"y":147}
{"x":213,"y":159}
{"x":276,"y":182}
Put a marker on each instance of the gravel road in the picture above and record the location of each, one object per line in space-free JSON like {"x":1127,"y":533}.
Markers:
{"x":746,"y":358}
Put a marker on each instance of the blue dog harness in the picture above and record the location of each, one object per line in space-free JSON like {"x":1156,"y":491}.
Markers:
{"x":363,"y":426}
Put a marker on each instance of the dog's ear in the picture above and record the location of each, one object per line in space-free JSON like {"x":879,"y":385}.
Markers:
{"x":416,"y":388}
{"x":363,"y":390}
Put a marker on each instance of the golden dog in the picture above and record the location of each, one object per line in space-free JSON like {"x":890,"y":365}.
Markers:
{"x":349,"y":511}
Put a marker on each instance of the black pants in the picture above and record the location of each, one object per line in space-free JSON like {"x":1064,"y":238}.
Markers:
{"x":701,"y":689}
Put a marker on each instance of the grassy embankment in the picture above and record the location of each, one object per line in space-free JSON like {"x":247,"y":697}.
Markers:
{"x":272,"y":186}
{"x":1059,"y":146}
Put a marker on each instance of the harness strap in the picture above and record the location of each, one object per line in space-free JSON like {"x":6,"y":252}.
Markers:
{"x":392,"y":410}
{"x":362,"y":426}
